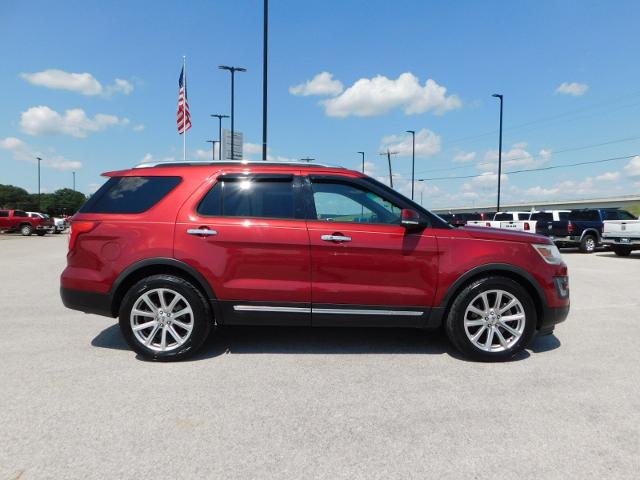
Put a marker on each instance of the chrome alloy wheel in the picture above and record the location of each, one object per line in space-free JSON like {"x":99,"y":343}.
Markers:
{"x":161,"y":319}
{"x":494,"y":321}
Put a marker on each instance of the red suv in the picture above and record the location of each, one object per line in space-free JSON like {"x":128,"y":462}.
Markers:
{"x":174,"y":248}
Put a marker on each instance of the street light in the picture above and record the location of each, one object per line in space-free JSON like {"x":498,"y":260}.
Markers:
{"x":213,"y":148}
{"x":265,"y":50}
{"x":307,"y":159}
{"x":362,"y":153}
{"x":233,"y":71}
{"x":39,"y":203}
{"x":74,"y":181}
{"x":497,"y":95}
{"x":219,"y":117}
{"x":413,"y":160}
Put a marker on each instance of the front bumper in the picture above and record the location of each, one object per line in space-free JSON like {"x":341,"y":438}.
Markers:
{"x":551,"y":316}
{"x":87,"y":302}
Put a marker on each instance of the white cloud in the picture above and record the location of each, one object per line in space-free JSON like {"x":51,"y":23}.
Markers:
{"x":539,"y":191}
{"x":485,"y":180}
{"x":516,"y":157}
{"x":253,"y":151}
{"x":42,"y":120}
{"x":572,"y":88}
{"x":26,"y":153}
{"x":138,"y":128}
{"x":633,"y":167}
{"x":322,"y":84}
{"x":427,"y":143}
{"x":152,"y":158}
{"x":252,"y":148}
{"x":463,"y":157}
{"x":83,"y":83}
{"x":608,"y":177}
{"x":201,"y":154}
{"x":379,"y":95}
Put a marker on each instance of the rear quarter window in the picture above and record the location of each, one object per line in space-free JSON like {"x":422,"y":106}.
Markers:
{"x":129,"y":194}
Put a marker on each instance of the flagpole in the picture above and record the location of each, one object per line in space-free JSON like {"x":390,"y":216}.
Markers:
{"x":184,"y":111}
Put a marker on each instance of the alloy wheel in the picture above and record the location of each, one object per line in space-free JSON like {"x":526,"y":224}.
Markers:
{"x":161,"y":319}
{"x":494,"y":321}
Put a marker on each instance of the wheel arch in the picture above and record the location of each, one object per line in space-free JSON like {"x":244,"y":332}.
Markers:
{"x":591,"y":231}
{"x":160,"y":265}
{"x":517,"y":274}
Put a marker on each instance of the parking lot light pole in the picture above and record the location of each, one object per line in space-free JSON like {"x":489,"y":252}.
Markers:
{"x":74,"y":181}
{"x":219,"y":117}
{"x":413,"y":160}
{"x":233,"y":71}
{"x":39,"y":203}
{"x":213,"y":148}
{"x":362,"y":153}
{"x":388,"y":153}
{"x":497,"y":95}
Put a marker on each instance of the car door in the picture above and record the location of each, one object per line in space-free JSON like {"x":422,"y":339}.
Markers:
{"x":367,"y":269}
{"x":246,"y":234}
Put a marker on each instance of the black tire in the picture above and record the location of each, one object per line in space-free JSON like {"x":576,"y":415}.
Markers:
{"x":622,"y":251}
{"x":41,"y":233}
{"x":202,"y":317}
{"x":455,"y":321}
{"x":26,"y":230}
{"x":588,"y":243}
{"x":57,"y":232}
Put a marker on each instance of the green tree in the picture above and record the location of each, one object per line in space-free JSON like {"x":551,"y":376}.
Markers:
{"x":13,"y":197}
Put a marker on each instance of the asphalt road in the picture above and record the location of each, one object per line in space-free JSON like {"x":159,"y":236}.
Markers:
{"x":76,"y":403}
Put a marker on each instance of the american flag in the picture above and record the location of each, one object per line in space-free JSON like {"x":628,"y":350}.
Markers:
{"x":184,"y":117}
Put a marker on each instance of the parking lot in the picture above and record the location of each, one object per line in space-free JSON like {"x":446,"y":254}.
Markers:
{"x":325,"y":403}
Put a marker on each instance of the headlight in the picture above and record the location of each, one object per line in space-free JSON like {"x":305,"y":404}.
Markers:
{"x":549,"y":253}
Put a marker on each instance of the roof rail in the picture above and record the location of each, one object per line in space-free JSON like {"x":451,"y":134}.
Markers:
{"x":189,"y":163}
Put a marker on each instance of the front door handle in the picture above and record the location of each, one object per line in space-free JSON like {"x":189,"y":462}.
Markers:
{"x":204,"y":232}
{"x":335,"y":238}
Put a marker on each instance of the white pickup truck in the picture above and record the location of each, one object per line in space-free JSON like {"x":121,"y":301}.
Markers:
{"x":507,"y":220}
{"x":622,"y":236}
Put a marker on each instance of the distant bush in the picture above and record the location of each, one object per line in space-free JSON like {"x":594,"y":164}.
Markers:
{"x":61,"y":202}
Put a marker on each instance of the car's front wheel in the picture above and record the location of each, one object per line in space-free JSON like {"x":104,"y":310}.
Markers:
{"x":492,"y":319}
{"x":164,"y":317}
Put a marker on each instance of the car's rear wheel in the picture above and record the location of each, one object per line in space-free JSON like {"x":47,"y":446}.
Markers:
{"x":492,"y":319}
{"x":164,"y":317}
{"x":622,"y":251}
{"x":26,"y":230}
{"x":588,"y":244}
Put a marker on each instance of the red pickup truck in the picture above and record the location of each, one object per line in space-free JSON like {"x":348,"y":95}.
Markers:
{"x":20,"y":221}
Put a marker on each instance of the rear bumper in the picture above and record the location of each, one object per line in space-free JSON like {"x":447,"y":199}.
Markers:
{"x":87,"y":302}
{"x":616,"y":241}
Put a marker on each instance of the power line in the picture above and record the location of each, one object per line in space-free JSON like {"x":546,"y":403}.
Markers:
{"x":534,"y":157}
{"x":551,"y":167}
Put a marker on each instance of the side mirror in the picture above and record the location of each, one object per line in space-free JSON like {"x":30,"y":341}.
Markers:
{"x":410,"y":219}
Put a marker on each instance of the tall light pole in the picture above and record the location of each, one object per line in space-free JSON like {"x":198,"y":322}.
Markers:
{"x":307,"y":159}
{"x":413,"y":160}
{"x":362,"y":153}
{"x":497,"y":95}
{"x":213,"y":148}
{"x":388,"y":154}
{"x":233,"y":71}
{"x":39,"y":202}
{"x":74,"y":181}
{"x":265,"y":50}
{"x":219,"y":117}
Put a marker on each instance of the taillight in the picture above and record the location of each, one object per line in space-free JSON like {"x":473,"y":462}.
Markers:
{"x":571,"y":228}
{"x":77,"y":228}
{"x":527,"y":226}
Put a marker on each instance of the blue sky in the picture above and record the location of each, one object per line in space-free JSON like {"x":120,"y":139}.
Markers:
{"x":568,"y":71}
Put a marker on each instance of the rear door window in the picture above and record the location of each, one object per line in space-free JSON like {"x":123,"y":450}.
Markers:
{"x":129,"y":194}
{"x":251,"y":196}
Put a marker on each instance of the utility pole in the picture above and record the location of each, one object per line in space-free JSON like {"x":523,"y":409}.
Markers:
{"x":233,"y":71}
{"x":362,"y":153}
{"x":413,"y":160}
{"x":497,"y":95}
{"x":265,"y":51}
{"x":39,"y":202}
{"x":219,"y":117}
{"x":213,"y":148}
{"x":388,"y":154}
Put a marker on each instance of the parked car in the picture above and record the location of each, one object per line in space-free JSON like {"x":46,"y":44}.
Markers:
{"x":581,"y":228}
{"x":500,"y":220}
{"x":20,"y":221}
{"x":461,"y":219}
{"x":173,"y":248}
{"x":61,"y":224}
{"x":622,"y":236}
{"x":51,"y":228}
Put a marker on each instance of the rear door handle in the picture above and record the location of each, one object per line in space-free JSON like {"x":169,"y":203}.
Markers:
{"x":335,"y":238}
{"x":204,"y":232}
